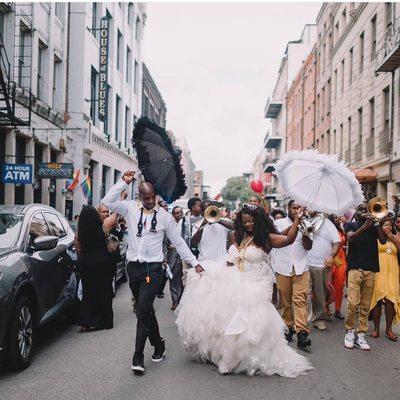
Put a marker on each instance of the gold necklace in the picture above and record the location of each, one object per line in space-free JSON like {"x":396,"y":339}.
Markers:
{"x":242,"y":250}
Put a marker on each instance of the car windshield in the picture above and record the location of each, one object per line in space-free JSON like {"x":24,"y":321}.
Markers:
{"x":10,"y":227}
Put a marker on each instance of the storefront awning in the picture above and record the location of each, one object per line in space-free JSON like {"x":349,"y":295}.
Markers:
{"x":365,"y":175}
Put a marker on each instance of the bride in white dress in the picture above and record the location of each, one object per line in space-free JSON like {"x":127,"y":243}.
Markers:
{"x":226,"y":315}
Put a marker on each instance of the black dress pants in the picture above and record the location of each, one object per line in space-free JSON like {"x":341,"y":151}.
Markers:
{"x":144,"y":294}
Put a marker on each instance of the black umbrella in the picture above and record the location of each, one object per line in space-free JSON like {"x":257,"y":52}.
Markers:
{"x":159,"y":160}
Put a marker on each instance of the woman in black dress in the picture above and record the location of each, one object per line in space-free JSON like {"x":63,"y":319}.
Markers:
{"x":97,"y":267}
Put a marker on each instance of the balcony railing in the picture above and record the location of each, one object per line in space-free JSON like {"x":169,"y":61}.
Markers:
{"x":370,"y":146}
{"x":358,"y":152}
{"x":272,"y":108}
{"x":388,"y":56}
{"x":384,"y":142}
{"x":272,"y":141}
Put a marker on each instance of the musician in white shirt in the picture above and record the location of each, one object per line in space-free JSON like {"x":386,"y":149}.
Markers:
{"x":147,"y":225}
{"x":290,"y":264}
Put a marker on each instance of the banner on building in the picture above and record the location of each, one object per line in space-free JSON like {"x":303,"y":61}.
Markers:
{"x":17,"y":173}
{"x":103,"y":69}
{"x":55,"y":170}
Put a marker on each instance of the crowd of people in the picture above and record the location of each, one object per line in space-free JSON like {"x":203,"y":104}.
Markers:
{"x":307,"y":268}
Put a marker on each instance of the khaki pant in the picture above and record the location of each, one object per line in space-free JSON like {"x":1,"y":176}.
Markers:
{"x":361,"y":288}
{"x":292,"y":291}
{"x":316,"y":302}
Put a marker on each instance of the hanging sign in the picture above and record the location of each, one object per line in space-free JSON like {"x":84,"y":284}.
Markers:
{"x":17,"y":173}
{"x":103,"y":69}
{"x":55,"y":170}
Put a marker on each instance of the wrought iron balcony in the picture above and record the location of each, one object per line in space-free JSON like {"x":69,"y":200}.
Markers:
{"x":272,"y":108}
{"x":272,"y":141}
{"x":388,"y":56}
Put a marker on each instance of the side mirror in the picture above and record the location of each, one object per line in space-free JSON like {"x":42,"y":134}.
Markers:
{"x":45,"y":243}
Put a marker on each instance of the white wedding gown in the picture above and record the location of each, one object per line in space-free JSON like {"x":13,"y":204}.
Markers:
{"x":226,"y":317}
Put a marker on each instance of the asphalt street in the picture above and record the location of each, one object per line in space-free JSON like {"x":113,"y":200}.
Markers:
{"x":70,"y":365}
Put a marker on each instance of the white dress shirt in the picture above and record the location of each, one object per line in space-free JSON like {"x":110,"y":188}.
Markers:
{"x":149,"y":246}
{"x":324,"y":239}
{"x":212,"y":245}
{"x":285,"y":258}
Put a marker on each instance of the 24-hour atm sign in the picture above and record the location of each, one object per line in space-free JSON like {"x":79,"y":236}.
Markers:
{"x":17,"y":173}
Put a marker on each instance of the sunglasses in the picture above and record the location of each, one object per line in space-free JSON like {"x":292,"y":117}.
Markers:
{"x":251,"y":207}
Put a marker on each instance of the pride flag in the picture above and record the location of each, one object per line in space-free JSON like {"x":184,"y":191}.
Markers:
{"x":87,"y":187}
{"x":71,"y":184}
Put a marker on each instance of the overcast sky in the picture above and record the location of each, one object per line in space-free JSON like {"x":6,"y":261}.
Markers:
{"x":216,"y":65}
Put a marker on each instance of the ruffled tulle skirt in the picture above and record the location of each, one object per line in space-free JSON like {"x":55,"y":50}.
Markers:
{"x":226,"y":317}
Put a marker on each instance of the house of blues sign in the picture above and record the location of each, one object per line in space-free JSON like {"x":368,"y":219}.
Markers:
{"x":103,"y":69}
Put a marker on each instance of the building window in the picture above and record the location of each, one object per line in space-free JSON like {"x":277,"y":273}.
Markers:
{"x":137,"y":28}
{"x":131,"y":14}
{"x":351,"y":67}
{"x":334,"y":141}
{"x":95,"y":11}
{"x":93,"y":94}
{"x":337,"y":32}
{"x":60,"y":10}
{"x":119,"y":51}
{"x":136,"y":77}
{"x":126,"y":142}
{"x":341,"y":141}
{"x":56,"y":82}
{"x":361,"y":52}
{"x":373,"y":38}
{"x":22,"y":74}
{"x":336,"y":85}
{"x":342,"y":77}
{"x":323,"y":57}
{"x":323,"y":104}
{"x":349,"y":134}
{"x":40,"y":71}
{"x":389,"y":14}
{"x":111,"y":44}
{"x":128,"y":72}
{"x":117,"y":116}
{"x":360,"y":124}
{"x":386,"y":110}
{"x":344,"y":18}
{"x":372,"y":117}
{"x":328,"y":97}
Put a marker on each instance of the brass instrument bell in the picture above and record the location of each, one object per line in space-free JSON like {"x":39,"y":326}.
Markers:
{"x":377,"y":207}
{"x":212,"y":214}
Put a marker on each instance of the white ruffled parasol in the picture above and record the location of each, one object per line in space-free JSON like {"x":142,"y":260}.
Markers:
{"x":319,"y":181}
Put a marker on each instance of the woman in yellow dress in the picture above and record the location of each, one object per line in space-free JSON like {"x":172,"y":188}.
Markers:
{"x":387,"y":287}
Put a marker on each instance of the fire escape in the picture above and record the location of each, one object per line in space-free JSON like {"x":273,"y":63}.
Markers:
{"x":16,"y":74}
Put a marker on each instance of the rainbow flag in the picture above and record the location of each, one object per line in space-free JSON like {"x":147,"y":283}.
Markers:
{"x":87,"y":187}
{"x":71,"y":184}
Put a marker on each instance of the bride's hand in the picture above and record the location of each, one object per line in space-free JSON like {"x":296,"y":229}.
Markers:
{"x":230,"y":264}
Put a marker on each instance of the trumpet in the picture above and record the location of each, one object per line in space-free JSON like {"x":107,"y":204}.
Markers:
{"x":310,"y":226}
{"x":377,"y":208}
{"x":212,"y":214}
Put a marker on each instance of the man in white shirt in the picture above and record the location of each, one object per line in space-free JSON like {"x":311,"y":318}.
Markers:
{"x":211,"y":239}
{"x":320,"y":260}
{"x":147,"y":225}
{"x":292,"y":279}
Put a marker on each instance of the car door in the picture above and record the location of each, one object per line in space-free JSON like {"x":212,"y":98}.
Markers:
{"x":62,"y":271}
{"x":42,"y":263}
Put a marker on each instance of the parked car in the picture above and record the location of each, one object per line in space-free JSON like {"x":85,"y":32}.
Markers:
{"x":37,"y":276}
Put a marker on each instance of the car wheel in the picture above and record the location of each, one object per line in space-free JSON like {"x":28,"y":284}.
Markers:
{"x":22,"y":334}
{"x":114,"y":286}
{"x":124,"y":276}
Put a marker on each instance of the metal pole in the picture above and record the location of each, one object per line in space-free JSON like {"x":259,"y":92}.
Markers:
{"x":391,"y":130}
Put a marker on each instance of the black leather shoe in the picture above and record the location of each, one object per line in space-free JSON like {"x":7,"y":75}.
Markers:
{"x":338,"y":315}
{"x":289,"y":334}
{"x":160,"y":295}
{"x":302,"y":340}
{"x":138,"y":364}
{"x":159,"y":352}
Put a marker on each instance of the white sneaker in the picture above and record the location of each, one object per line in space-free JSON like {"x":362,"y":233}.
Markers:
{"x":362,"y":343}
{"x":349,"y":339}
